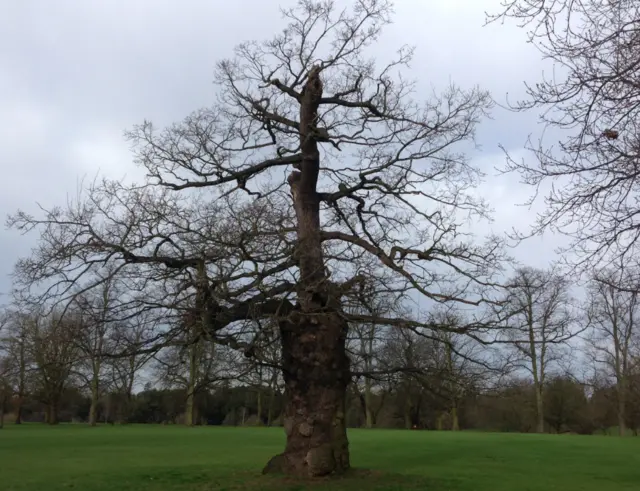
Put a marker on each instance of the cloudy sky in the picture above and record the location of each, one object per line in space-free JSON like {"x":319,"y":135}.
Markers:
{"x":74,"y":74}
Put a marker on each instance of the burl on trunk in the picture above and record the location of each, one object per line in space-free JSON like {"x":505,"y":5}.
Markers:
{"x":315,"y":364}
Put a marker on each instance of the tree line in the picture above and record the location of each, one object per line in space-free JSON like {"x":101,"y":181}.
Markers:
{"x":302,"y":250}
{"x":559,"y":367}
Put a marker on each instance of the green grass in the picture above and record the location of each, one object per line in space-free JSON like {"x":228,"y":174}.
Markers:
{"x":155,"y":458}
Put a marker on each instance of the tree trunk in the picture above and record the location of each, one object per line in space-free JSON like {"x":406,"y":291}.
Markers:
{"x":455,"y":422}
{"x":407,"y":415}
{"x":260,"y":406}
{"x":622,"y":403}
{"x":191,"y":387}
{"x":128,"y":408}
{"x":315,"y":365}
{"x":539,"y":410}
{"x":3,"y":402}
{"x":18,"y":420}
{"x":272,"y":395}
{"x":108,"y":410}
{"x":270,"y":410}
{"x":537,"y":369}
{"x":52,"y":413}
{"x":21,"y":382}
{"x":93,"y":409}
{"x":316,"y":375}
{"x":188,"y":414}
{"x":367,"y":403}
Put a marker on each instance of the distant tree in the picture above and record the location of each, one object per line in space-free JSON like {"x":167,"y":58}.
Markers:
{"x":633,"y":397}
{"x":92,"y":340}
{"x":365,"y":341}
{"x":541,"y":319}
{"x":407,"y":357}
{"x":5,"y":387}
{"x":129,"y":339}
{"x":14,"y":328}
{"x":614,"y":310}
{"x":262,"y":370}
{"x":463,"y":364}
{"x":51,"y":343}
{"x":603,"y":407}
{"x":566,"y":406}
{"x":192,"y":364}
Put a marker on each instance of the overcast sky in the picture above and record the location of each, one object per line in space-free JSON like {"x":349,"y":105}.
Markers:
{"x":74,"y":74}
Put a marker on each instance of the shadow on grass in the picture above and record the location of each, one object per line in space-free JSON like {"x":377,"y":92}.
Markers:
{"x":355,"y":480}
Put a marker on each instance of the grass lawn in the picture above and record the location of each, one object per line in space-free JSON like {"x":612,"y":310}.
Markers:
{"x":144,"y":458}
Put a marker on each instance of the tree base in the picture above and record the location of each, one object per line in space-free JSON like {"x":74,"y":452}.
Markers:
{"x":318,"y":462}
{"x":276,"y":465}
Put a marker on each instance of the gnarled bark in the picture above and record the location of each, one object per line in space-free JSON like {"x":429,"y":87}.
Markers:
{"x":315,"y":363}
{"x":316,"y":374}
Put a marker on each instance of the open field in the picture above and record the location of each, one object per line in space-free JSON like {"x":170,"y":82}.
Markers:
{"x":141,"y":458}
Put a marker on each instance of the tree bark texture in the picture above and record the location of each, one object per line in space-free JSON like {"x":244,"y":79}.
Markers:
{"x":315,"y":363}
{"x":316,"y":375}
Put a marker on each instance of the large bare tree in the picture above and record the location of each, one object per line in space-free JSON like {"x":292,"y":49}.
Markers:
{"x":315,"y":154}
{"x":588,"y":173}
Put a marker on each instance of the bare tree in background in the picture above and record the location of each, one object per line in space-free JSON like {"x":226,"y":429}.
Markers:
{"x":93,"y":339}
{"x":128,"y":339}
{"x":314,"y":155}
{"x":376,"y":300}
{"x":591,"y":105}
{"x":14,"y":329}
{"x":192,"y":364}
{"x":614,"y":313}
{"x":406,"y":356}
{"x":6,"y":390}
{"x":364,"y":351}
{"x":51,"y":342}
{"x":541,"y":320}
{"x":262,"y":370}
{"x":462,"y":363}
